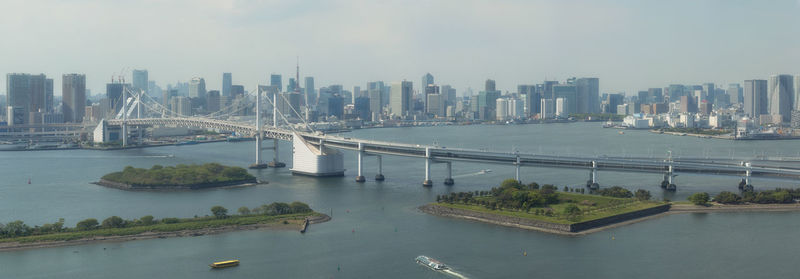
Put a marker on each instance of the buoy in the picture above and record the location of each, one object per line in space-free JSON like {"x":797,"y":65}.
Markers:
{"x":612,"y":238}
{"x":348,"y":211}
{"x":29,"y":181}
{"x":524,"y":253}
{"x":338,"y":267}
{"x":354,"y":230}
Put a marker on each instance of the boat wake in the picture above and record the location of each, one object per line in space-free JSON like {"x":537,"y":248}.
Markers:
{"x":454,"y":274}
{"x":472,"y":174}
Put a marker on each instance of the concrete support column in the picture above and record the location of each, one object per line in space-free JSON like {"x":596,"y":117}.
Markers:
{"x":427,"y":182}
{"x":360,"y":177}
{"x":275,"y":163}
{"x":259,"y":163}
{"x":748,"y":173}
{"x":516,"y":171}
{"x":379,"y":176}
{"x":449,"y":180}
{"x":594,"y":172}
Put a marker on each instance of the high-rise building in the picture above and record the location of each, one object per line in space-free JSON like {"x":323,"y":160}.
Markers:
{"x":781,"y":95}
{"x":547,"y":109}
{"x":614,"y":100}
{"x":708,"y":93}
{"x":167,"y":95}
{"x":588,"y":95}
{"x":275,"y":80}
{"x":140,"y":80}
{"x":291,"y":86}
{"x":532,"y":99}
{"x":375,"y":106}
{"x":688,"y":104}
{"x":227,"y":82}
{"x":73,"y":97}
{"x":675,"y":92}
{"x":182,"y":105}
{"x":311,"y":96}
{"x":797,"y":93}
{"x":237,"y":91}
{"x":429,"y":89}
{"x":213,"y":101}
{"x":736,"y":93}
{"x":487,"y":104}
{"x":401,"y":98}
{"x":356,"y":93}
{"x":562,"y":107}
{"x":114,"y":95}
{"x":197,"y":88}
{"x":568,"y":92}
{"x":25,"y":93}
{"x":501,"y":104}
{"x":427,"y":79}
{"x":434,"y":104}
{"x":490,"y":85}
{"x":755,"y":98}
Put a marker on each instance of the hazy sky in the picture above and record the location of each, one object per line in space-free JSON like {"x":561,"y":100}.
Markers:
{"x":629,"y":45}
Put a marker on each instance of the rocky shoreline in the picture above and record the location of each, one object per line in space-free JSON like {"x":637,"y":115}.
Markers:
{"x":130,"y":187}
{"x":592,"y":226}
{"x":292,"y":225}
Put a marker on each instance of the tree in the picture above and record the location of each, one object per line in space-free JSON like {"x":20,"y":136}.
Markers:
{"x":17,"y":228}
{"x":113,"y":222}
{"x":699,"y":198}
{"x":219,"y":211}
{"x":571,"y":209}
{"x":511,"y":183}
{"x":88,"y":224}
{"x":727,"y":198}
{"x":147,"y":220}
{"x":243,"y":210}
{"x":642,"y":195}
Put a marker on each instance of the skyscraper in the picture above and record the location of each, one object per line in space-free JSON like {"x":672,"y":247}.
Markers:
{"x":73,"y":97}
{"x":797,"y":92}
{"x":21,"y":90}
{"x":227,"y":82}
{"x":213,"y":101}
{"x":310,"y":94}
{"x":140,"y":80}
{"x":490,"y":85}
{"x":401,"y":98}
{"x":427,"y":79}
{"x":781,"y":95}
{"x":275,"y":80}
{"x":532,"y":99}
{"x":708,"y":93}
{"x":569,"y":92}
{"x":736,"y":93}
{"x":114,"y":95}
{"x":588,"y":95}
{"x":197,"y":88}
{"x":755,"y":98}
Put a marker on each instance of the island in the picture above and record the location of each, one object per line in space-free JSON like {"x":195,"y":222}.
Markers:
{"x":179,"y":177}
{"x":570,"y":211}
{"x":277,"y":216}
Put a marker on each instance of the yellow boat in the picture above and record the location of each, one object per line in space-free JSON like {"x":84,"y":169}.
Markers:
{"x":224,"y":264}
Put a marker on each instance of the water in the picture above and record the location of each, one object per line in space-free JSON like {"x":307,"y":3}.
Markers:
{"x":376,"y":231}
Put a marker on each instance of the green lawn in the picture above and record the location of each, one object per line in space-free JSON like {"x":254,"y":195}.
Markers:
{"x":592,"y":207}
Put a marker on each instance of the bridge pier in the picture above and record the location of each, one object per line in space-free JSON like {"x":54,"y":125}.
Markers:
{"x":360,"y":177}
{"x":667,"y":183}
{"x":275,"y":163}
{"x":449,"y":180}
{"x":427,"y":182}
{"x":516,"y":173}
{"x":379,"y":176}
{"x":592,"y":182}
{"x":745,"y":184}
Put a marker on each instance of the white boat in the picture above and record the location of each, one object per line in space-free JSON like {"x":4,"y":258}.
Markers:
{"x":430,"y":263}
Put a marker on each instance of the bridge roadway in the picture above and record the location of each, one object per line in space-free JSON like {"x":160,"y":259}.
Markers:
{"x":443,"y":154}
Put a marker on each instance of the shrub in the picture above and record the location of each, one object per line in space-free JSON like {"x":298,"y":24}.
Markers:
{"x":88,"y":224}
{"x":699,"y":198}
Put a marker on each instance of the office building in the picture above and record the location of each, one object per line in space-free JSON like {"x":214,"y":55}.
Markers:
{"x":755,"y":98}
{"x":736,"y":93}
{"x":547,"y":109}
{"x":568,"y":92}
{"x":502,"y":109}
{"x":375,"y":107}
{"x":532,"y":99}
{"x":688,"y":104}
{"x":311,"y":96}
{"x":562,"y":108}
{"x":197,"y":88}
{"x":213,"y":101}
{"x":227,"y":82}
{"x":487,"y":103}
{"x":434,"y":104}
{"x":73,"y":97}
{"x":275,"y":80}
{"x":427,"y":79}
{"x":181,"y":105}
{"x":401,"y":98}
{"x":114,"y":95}
{"x":781,"y":95}
{"x":588,"y":95}
{"x":490,"y":85}
{"x":140,"y":80}
{"x":708,"y":93}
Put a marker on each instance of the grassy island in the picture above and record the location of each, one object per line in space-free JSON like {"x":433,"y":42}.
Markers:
{"x":18,"y":235}
{"x":546,"y":207}
{"x":177,"y":177}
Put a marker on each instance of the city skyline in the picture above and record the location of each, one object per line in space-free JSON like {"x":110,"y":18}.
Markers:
{"x":605,"y":40}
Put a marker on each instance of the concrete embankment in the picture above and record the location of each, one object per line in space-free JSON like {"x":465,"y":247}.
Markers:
{"x":564,"y":229}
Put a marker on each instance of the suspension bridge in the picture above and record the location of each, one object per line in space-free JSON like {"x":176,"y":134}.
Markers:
{"x":318,"y":154}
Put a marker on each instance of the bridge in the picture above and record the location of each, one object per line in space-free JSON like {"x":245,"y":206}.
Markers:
{"x":318,"y":154}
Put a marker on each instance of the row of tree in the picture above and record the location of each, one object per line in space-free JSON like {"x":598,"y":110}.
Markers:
{"x":19,"y":228}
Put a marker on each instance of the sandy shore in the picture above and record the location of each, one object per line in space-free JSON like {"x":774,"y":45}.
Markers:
{"x":674,"y":209}
{"x":293,"y":225}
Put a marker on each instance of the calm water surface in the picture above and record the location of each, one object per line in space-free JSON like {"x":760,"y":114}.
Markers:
{"x":376,"y":230}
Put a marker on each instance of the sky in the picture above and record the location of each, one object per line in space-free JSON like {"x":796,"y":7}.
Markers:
{"x":630,"y":45}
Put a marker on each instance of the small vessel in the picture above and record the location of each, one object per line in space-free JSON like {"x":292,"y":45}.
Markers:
{"x":188,"y":142}
{"x":430,"y":263}
{"x":621,"y":132}
{"x":224,"y":264}
{"x":29,"y":181}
